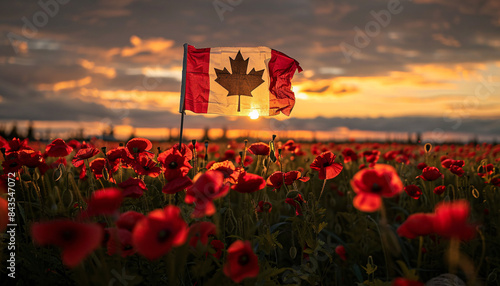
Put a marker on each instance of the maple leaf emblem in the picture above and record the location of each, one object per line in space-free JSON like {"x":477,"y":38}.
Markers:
{"x":239,"y":82}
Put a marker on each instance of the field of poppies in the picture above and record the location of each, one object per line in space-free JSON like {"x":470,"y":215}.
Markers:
{"x":249,"y":213}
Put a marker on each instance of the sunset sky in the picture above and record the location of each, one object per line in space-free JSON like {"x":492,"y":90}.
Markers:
{"x":430,"y":66}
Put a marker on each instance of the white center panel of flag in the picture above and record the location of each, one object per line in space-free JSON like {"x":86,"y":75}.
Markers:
{"x":219,"y":101}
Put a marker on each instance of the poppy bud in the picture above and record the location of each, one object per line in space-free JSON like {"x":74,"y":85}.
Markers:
{"x":428,"y":147}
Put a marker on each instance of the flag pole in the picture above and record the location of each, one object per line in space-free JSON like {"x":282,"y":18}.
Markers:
{"x":183,"y":94}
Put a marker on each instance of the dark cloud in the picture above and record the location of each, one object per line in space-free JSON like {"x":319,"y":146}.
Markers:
{"x":100,"y":31}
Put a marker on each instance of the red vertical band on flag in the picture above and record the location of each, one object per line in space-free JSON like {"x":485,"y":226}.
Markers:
{"x":281,"y":70}
{"x":197,"y":80}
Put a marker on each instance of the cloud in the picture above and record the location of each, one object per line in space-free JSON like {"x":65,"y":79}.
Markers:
{"x":58,"y":86}
{"x":128,"y":54}
{"x":449,"y":41}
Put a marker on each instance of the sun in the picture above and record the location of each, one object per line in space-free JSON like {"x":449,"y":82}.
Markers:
{"x":254,"y":114}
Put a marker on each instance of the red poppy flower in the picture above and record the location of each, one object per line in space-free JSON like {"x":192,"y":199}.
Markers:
{"x":406,"y":282}
{"x":4,"y":218}
{"x":128,"y":220}
{"x":349,"y":155}
{"x":290,"y":146}
{"x":119,"y":157}
{"x":421,"y":166}
{"x":495,"y":181}
{"x":315,"y":150}
{"x":229,"y":155}
{"x":413,"y":191}
{"x":457,"y":170}
{"x":439,"y":190}
{"x":30,"y":158}
{"x":11,"y":164}
{"x":116,"y":154}
{"x":276,"y":180}
{"x":177,"y":185}
{"x":59,"y":161}
{"x":33,"y":159}
{"x":486,"y":170}
{"x":97,"y":167}
{"x":227,"y":169}
{"x":15,"y":145}
{"x":206,"y":188}
{"x":296,"y":203}
{"x":82,"y":154}
{"x":259,"y":148}
{"x":174,"y":163}
{"x":447,"y":163}
{"x":200,"y":231}
{"x":58,"y":148}
{"x":75,"y":144}
{"x":249,"y":183}
{"x":241,"y":261}
{"x":326,"y":166}
{"x":292,"y":176}
{"x":145,"y":166}
{"x":340,"y":251}
{"x":218,"y":246}
{"x":371,"y":157}
{"x":120,"y":242}
{"x":430,"y":174}
{"x":418,"y":224}
{"x":403,"y":159}
{"x":199,"y":147}
{"x":248,"y":160}
{"x":210,"y":164}
{"x":77,"y":240}
{"x":103,"y":202}
{"x":212,"y":149}
{"x":372,"y":184}
{"x":185,"y":151}
{"x":264,"y":207}
{"x":451,"y":220}
{"x":133,"y":188}
{"x":137,"y":146}
{"x":159,"y":231}
{"x":391,"y":155}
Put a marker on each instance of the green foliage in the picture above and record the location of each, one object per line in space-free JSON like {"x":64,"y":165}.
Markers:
{"x":292,"y":249}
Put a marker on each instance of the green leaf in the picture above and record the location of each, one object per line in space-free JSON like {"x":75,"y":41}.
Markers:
{"x":321,"y":226}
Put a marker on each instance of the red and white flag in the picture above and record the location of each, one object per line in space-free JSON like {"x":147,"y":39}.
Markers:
{"x":238,"y":81}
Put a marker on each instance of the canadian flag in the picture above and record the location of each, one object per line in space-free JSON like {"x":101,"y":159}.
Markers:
{"x":238,"y":81}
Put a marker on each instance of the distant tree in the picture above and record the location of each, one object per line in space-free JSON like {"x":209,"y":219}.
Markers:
{"x":13,"y":132}
{"x":31,"y":132}
{"x":205,"y":134}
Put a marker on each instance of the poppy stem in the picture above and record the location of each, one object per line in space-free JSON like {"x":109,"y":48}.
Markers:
{"x":453,"y":254}
{"x":420,"y":245}
{"x":382,"y":239}
{"x":322,"y":189}
{"x":483,"y":250}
